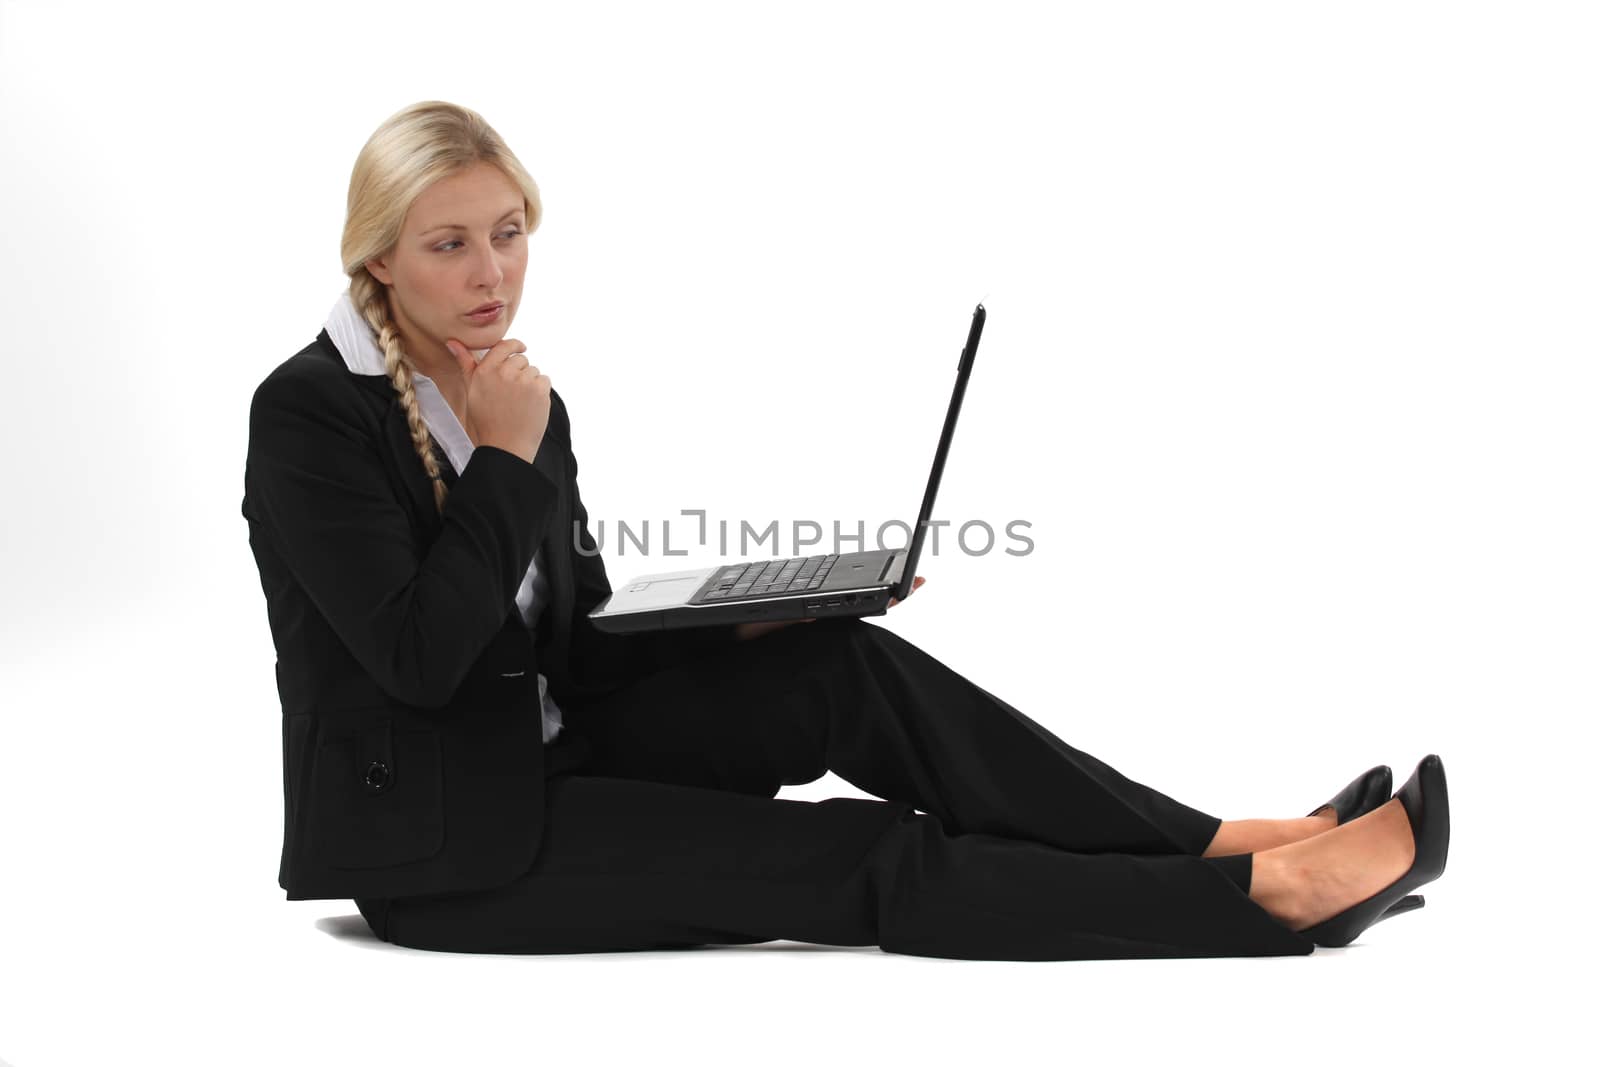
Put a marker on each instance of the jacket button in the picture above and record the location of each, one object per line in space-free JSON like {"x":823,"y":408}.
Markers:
{"x":377,"y":774}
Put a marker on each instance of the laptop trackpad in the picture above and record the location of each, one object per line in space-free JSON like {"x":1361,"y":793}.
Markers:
{"x":662,"y":592}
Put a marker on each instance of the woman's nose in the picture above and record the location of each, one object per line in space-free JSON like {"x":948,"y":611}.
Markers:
{"x":486,"y":269}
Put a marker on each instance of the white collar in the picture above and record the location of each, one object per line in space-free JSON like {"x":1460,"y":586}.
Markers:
{"x":355,"y":342}
{"x":354,"y":339}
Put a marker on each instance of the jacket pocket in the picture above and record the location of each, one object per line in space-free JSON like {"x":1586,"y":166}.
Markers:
{"x":377,"y":795}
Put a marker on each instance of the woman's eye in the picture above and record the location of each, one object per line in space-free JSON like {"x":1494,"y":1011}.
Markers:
{"x":446,"y":246}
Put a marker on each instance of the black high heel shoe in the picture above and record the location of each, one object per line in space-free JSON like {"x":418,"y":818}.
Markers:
{"x":1364,"y":794}
{"x":1367,"y":793}
{"x":1427,"y":805}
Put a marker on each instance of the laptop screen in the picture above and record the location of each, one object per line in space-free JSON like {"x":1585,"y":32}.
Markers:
{"x":963,"y":372}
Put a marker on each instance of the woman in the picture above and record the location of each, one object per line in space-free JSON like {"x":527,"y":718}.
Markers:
{"x":412,"y":499}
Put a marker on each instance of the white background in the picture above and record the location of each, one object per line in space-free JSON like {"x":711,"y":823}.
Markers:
{"x":1290,"y":364}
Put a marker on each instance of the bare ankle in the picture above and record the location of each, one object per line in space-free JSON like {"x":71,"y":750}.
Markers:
{"x":1278,"y":884}
{"x":1258,"y":835}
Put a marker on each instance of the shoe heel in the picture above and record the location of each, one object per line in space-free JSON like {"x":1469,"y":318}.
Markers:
{"x":1409,"y":902}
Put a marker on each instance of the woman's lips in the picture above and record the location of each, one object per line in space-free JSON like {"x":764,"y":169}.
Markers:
{"x":481,"y":317}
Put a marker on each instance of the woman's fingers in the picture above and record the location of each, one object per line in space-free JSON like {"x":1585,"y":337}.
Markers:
{"x":916,"y":583}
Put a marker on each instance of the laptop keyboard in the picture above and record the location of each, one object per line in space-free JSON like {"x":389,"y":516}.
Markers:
{"x":771,"y":577}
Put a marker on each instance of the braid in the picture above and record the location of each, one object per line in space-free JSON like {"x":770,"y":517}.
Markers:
{"x":371,"y":299}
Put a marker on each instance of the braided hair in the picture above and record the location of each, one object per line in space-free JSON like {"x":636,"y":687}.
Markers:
{"x":371,"y":298}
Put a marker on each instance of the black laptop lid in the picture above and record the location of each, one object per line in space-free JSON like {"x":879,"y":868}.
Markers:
{"x":963,"y":372}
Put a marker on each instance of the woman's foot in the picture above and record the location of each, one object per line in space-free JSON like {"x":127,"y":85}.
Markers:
{"x":1365,"y":793}
{"x":1258,"y":835}
{"x":1304,"y":882}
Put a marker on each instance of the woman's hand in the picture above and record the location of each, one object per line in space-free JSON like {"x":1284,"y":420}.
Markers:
{"x":916,"y":583}
{"x":744,"y":631}
{"x":508,"y":400}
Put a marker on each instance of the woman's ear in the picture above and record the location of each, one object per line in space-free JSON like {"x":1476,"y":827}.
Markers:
{"x":378,"y":270}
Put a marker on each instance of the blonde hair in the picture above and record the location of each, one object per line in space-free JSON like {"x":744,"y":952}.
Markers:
{"x":408,"y":152}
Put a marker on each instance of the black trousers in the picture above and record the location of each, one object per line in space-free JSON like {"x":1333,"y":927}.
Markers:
{"x":993,"y":839}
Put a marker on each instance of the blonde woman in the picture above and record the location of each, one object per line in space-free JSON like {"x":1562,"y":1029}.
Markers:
{"x":480,"y":770}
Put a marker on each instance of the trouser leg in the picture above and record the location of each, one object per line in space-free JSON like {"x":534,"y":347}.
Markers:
{"x":859,"y":700}
{"x":629,"y":864}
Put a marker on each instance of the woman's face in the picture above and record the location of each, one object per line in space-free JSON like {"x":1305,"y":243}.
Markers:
{"x":464,"y":244}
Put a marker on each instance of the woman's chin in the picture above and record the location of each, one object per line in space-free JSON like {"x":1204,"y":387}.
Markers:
{"x":479,"y":340}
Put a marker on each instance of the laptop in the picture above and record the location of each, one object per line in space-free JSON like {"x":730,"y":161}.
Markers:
{"x":829,"y":585}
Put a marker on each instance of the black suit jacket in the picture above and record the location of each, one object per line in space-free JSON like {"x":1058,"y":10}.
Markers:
{"x":413,"y":753}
